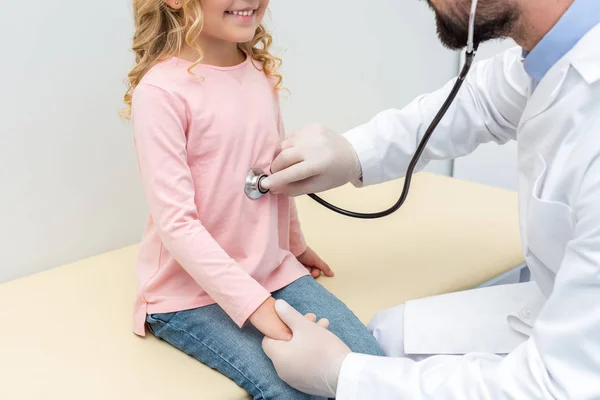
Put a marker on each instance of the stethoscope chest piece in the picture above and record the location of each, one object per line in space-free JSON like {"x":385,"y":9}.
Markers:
{"x":252,"y":186}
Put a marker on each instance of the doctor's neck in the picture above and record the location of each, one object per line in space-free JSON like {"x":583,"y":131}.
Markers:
{"x":536,"y":20}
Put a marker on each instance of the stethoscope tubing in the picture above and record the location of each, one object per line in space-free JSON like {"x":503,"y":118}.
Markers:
{"x":253,"y":188}
{"x":470,"y":56}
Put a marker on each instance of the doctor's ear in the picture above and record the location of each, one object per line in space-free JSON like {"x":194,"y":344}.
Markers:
{"x":174,"y":4}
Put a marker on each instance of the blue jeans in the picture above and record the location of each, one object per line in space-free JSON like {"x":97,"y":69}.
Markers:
{"x":210,"y":336}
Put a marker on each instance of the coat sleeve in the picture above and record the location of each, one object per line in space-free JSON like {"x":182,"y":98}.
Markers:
{"x":560,"y":360}
{"x":487,"y":108}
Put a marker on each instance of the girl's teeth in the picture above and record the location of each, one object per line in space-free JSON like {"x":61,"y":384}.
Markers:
{"x":243,"y":13}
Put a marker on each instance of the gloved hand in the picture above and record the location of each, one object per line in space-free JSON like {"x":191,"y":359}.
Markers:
{"x":312,"y":160}
{"x":312,"y":360}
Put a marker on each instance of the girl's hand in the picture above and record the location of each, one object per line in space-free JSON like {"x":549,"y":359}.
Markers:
{"x":266,"y":320}
{"x":314,"y":264}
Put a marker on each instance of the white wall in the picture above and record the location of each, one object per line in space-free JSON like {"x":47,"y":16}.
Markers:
{"x":67,"y":167}
{"x":70,"y":186}
{"x":345,"y":61}
{"x":491,"y":164}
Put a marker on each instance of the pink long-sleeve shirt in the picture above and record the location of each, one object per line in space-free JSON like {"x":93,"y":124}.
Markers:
{"x":205,"y":242}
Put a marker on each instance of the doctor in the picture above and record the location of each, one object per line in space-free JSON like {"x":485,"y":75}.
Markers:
{"x":538,"y":340}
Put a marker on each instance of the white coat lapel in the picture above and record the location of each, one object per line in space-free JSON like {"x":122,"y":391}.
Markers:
{"x":547,"y":91}
{"x":585,"y":58}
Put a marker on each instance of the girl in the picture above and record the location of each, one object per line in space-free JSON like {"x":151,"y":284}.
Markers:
{"x":204,"y":107}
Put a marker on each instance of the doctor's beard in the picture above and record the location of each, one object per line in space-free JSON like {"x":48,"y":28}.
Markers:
{"x":495,"y":19}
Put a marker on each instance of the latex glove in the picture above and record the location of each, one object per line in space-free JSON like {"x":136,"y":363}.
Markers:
{"x":314,"y":263}
{"x":324,"y":322}
{"x":312,"y":160}
{"x":312,"y":360}
{"x":266,"y":320}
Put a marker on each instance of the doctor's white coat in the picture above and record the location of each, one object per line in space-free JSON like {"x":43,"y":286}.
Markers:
{"x":551,"y":326}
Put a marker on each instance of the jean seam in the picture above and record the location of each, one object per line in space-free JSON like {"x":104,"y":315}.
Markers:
{"x":215,"y":353}
{"x":152,"y":316}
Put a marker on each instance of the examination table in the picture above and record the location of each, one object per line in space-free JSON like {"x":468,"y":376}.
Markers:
{"x":67,"y":333}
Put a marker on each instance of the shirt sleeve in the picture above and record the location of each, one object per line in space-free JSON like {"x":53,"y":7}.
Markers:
{"x":488,"y":108}
{"x":297,"y":241}
{"x":160,"y":123}
{"x":560,"y":360}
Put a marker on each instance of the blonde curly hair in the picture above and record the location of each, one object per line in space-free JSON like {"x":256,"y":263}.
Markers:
{"x":160,"y":33}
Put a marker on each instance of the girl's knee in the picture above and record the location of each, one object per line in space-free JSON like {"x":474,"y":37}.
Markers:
{"x":365,"y":344}
{"x":355,"y":335}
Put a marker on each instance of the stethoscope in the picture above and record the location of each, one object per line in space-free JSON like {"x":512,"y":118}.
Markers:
{"x":253,"y":187}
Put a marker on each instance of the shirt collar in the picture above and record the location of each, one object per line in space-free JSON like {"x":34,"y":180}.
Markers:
{"x":576,"y":22}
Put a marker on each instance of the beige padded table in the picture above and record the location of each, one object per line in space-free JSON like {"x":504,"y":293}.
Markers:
{"x":66,"y":333}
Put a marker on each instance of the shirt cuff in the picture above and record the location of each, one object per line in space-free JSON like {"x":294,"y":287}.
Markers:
{"x":370,"y":161}
{"x":298,"y":247}
{"x":242,"y":317}
{"x":298,"y":243}
{"x":350,"y":377}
